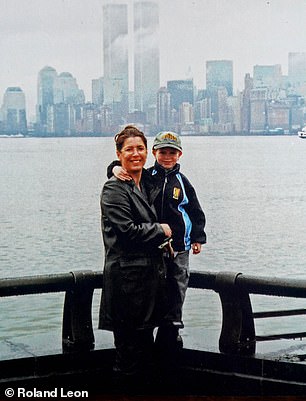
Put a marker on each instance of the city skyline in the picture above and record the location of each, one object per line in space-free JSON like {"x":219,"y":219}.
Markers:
{"x":67,"y":35}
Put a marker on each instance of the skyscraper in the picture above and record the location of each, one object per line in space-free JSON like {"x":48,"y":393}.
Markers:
{"x":66,"y":90}
{"x":163,"y":108}
{"x":267,"y":76}
{"x":181,"y":90}
{"x":97,"y":90}
{"x":297,"y":68}
{"x":45,"y":94}
{"x":146,"y":54}
{"x":219,"y":76}
{"x":116,"y":63}
{"x":186,"y":115}
{"x":246,"y":103}
{"x":13,"y":111}
{"x":258,"y":110}
{"x":219,"y":73}
{"x":134,"y":46}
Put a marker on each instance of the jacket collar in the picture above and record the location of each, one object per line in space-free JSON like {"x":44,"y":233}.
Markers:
{"x":148,"y":186}
{"x":163,"y":172}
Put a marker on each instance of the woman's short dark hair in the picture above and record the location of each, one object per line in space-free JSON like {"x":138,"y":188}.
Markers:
{"x":128,"y":132}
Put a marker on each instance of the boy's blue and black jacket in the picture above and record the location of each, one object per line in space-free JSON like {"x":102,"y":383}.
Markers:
{"x":176,"y":204}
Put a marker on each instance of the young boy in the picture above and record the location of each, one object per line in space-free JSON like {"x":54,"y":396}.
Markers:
{"x":176,"y":204}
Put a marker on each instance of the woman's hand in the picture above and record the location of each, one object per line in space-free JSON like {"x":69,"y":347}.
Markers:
{"x":120,"y":173}
{"x":167,"y":229}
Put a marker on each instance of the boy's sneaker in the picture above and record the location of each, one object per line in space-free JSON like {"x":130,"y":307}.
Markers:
{"x":179,"y":342}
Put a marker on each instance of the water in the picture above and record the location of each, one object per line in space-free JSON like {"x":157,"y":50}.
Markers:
{"x":251,"y":188}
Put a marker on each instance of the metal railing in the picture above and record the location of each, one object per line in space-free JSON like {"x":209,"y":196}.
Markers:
{"x":238,"y":329}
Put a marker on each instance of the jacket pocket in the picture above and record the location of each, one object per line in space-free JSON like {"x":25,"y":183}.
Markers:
{"x":134,"y":261}
{"x":139,"y":280}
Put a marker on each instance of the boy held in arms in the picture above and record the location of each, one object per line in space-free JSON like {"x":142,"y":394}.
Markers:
{"x":176,"y":203}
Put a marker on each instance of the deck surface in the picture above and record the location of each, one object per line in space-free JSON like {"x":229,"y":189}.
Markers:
{"x":278,"y":368}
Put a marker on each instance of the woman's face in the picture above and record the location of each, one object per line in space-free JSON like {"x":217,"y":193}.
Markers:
{"x":133,"y":155}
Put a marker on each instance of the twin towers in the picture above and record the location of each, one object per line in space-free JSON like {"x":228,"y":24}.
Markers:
{"x":131,"y":56}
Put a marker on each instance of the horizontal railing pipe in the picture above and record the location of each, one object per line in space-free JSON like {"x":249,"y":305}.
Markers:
{"x":284,"y":287}
{"x":201,"y":280}
{"x":278,"y":313}
{"x":45,"y":283}
{"x":234,"y":289}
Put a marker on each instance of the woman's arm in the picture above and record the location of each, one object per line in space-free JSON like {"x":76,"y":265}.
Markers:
{"x":117,"y":212}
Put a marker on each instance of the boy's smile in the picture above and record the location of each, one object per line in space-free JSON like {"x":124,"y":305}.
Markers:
{"x":167,"y":157}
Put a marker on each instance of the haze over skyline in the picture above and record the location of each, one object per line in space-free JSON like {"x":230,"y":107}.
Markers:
{"x":67,"y":35}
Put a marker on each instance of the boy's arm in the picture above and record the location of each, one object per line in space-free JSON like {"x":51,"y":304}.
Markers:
{"x":197,"y":216}
{"x":111,"y":166}
{"x":118,"y":171}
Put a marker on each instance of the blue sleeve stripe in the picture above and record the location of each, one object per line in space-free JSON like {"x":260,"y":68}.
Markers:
{"x":186,"y":219}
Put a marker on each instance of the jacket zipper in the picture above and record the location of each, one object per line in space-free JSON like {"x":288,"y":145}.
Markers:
{"x":163,"y":197}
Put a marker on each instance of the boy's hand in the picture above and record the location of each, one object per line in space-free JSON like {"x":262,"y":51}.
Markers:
{"x":196,"y":248}
{"x":170,"y":250}
{"x":120,"y":173}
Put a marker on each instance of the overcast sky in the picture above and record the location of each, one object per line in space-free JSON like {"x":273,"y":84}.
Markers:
{"x":67,"y":35}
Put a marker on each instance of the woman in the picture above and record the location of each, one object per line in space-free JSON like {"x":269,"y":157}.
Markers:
{"x":133,"y":297}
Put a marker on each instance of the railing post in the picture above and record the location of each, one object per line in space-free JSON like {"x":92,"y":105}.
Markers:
{"x":238,"y":330}
{"x":77,"y":332}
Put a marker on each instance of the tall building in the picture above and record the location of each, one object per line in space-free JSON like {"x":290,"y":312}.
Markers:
{"x":246,"y":103}
{"x":297,"y":68}
{"x":181,"y":91}
{"x":146,"y":54}
{"x":223,"y":109}
{"x":57,"y":96}
{"x":219,"y":73}
{"x":66,"y":90}
{"x":267,"y":76}
{"x":97,"y":91}
{"x":278,"y":115}
{"x":163,"y":109}
{"x":202,"y":110}
{"x":58,"y":122}
{"x":13,"y":111}
{"x":219,"y":77}
{"x":258,"y":109}
{"x":45,"y":94}
{"x":186,"y":115}
{"x":235,"y":112}
{"x":116,"y":62}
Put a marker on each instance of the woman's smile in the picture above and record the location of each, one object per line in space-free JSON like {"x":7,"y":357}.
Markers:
{"x":133,"y":155}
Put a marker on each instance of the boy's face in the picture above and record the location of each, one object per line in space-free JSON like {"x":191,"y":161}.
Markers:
{"x":167,"y":157}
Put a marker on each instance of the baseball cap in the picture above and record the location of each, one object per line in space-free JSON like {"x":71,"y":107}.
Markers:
{"x":167,"y":139}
